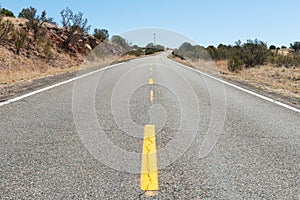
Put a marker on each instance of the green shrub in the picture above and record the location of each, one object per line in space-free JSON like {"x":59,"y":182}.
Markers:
{"x":213,"y":52}
{"x":120,"y":41}
{"x":149,"y":51}
{"x":6,"y":13}
{"x":234,"y":64}
{"x":47,"y":50}
{"x":295,"y":46}
{"x":136,"y":52}
{"x":101,"y":34}
{"x":75,"y":26}
{"x":192,"y":52}
{"x":35,"y":23}
{"x":254,"y":53}
{"x":19,"y":37}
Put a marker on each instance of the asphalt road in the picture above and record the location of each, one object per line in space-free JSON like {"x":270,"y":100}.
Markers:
{"x":84,"y":139}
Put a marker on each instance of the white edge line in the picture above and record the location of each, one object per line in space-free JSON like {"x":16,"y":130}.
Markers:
{"x":55,"y":85}
{"x":240,"y":88}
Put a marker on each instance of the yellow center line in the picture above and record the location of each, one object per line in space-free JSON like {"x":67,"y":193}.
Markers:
{"x":151,"y":81}
{"x":149,"y":174}
{"x":151,"y":72}
{"x":151,"y":95}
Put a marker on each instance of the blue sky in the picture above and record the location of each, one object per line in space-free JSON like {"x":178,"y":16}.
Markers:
{"x":207,"y":22}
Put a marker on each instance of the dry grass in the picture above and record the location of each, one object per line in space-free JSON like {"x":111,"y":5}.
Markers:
{"x":125,"y":58}
{"x":27,"y":74}
{"x":278,"y":80}
{"x":15,"y":68}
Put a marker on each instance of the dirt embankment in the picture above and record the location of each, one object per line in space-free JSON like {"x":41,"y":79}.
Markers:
{"x":46,"y":61}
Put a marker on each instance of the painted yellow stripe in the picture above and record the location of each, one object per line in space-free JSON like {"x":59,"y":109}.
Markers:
{"x":151,"y":95}
{"x":151,"y":81}
{"x":149,"y":174}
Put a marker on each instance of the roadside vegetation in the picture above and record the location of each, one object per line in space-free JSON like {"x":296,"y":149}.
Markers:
{"x":273,"y":69}
{"x":33,"y":45}
{"x":250,"y":54}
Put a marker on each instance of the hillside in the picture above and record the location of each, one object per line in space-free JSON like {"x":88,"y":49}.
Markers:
{"x":47,"y":56}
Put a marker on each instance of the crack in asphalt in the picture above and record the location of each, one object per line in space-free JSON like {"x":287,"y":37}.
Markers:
{"x":148,"y":168}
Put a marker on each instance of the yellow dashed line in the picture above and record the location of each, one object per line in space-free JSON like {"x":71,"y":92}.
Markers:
{"x":149,"y":174}
{"x":151,"y":95}
{"x":151,"y":81}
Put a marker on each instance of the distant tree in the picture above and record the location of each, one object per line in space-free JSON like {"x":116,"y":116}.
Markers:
{"x":135,"y":46}
{"x":201,"y":53}
{"x":238,"y":43}
{"x":101,"y":34}
{"x":149,"y":46}
{"x":254,"y":52}
{"x":186,"y":46}
{"x":295,"y":46}
{"x":272,"y":47}
{"x":120,"y":41}
{"x":75,"y":26}
{"x":51,"y":21}
{"x":149,"y":51}
{"x":137,"y":51}
{"x":213,"y":52}
{"x":224,"y":51}
{"x":28,"y":13}
{"x":35,"y":22}
{"x":194,"y":52}
{"x":283,"y":47}
{"x":6,"y":13}
{"x":159,"y":47}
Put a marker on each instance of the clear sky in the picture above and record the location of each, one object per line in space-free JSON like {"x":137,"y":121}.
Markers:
{"x":208,"y":22}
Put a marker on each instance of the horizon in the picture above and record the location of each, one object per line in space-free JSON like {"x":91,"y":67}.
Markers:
{"x":264,"y":22}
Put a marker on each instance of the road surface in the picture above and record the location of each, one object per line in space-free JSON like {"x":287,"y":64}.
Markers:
{"x":85,"y":139}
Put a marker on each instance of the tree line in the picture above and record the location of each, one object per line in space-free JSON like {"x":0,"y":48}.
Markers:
{"x":249,"y":54}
